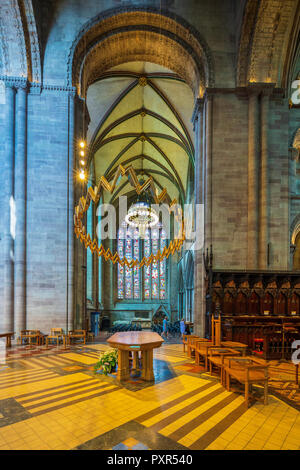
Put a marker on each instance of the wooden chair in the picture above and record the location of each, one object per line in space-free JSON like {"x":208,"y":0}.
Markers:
{"x":77,"y":334}
{"x":55,"y":334}
{"x":247,"y":372}
{"x":30,"y":335}
{"x":90,"y":336}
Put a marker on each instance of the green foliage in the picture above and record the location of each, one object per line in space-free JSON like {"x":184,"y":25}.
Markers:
{"x":107,"y":361}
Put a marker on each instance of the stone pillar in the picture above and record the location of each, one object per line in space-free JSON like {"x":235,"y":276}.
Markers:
{"x":253,"y":158}
{"x":199,"y":271}
{"x":208,"y":170}
{"x":293,"y":159}
{"x":20,"y":201}
{"x":264,"y":186}
{"x":7,"y":324}
{"x":70,"y":215}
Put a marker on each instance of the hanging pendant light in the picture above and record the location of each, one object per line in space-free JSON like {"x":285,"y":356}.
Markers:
{"x":140,"y":215}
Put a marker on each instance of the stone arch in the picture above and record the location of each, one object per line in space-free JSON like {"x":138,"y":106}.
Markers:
{"x":19,"y":41}
{"x":296,"y":140}
{"x":296,"y":254}
{"x":266,"y":31}
{"x":130,"y":33}
{"x":295,"y":229}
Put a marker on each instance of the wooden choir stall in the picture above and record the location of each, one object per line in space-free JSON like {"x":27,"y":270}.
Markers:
{"x":261,"y":310}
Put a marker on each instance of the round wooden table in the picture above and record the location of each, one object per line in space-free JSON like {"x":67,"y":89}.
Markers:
{"x":135,"y":341}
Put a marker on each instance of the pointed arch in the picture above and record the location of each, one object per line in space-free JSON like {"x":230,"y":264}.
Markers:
{"x":139,"y":31}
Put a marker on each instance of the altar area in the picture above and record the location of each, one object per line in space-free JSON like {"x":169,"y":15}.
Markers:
{"x":132,"y":343}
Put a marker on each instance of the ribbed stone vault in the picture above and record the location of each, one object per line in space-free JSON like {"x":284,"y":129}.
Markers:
{"x":134,"y":121}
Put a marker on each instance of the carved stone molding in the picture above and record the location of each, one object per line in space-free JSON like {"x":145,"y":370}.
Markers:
{"x":173,"y":33}
{"x":32,"y":42}
{"x":12,"y":39}
{"x":264,"y":35}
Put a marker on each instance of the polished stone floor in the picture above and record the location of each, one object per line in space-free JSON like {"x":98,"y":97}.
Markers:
{"x":52,"y":399}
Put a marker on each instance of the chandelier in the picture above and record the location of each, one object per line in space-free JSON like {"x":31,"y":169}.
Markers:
{"x":141,"y":216}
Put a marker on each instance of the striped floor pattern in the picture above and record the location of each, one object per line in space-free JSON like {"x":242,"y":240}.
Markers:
{"x":197,"y":418}
{"x":59,"y":360}
{"x":60,"y":396}
{"x":17,"y":378}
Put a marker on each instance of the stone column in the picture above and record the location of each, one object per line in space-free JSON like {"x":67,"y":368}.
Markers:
{"x":293,"y":159}
{"x":264,"y":186}
{"x":70,"y":214}
{"x":20,"y":201}
{"x":199,"y":271}
{"x":253,"y":158}
{"x":208,"y":169}
{"x":8,"y":214}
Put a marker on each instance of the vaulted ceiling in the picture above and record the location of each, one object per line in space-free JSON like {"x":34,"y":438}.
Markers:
{"x":141,"y":116}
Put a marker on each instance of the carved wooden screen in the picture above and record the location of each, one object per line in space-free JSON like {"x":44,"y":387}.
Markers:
{"x":281,"y":304}
{"x":268,"y":303}
{"x":228,"y":304}
{"x":241,"y":304}
{"x":294,"y":304}
{"x":254,"y":304}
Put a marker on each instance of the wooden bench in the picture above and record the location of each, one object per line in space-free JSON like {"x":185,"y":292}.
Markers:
{"x":185,"y":340}
{"x":201,"y":350}
{"x":192,"y":345}
{"x":216,"y":356}
{"x":8,"y":337}
{"x":247,"y":371}
{"x":77,"y":334}
{"x":241,"y":347}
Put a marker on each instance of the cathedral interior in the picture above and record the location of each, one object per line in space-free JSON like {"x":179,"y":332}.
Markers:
{"x":188,"y":112}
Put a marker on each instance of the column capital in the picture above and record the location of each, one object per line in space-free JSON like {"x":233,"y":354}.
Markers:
{"x":73,"y":92}
{"x":10,"y":86}
{"x":22,"y":86}
{"x":260,"y":88}
{"x":14,"y":82}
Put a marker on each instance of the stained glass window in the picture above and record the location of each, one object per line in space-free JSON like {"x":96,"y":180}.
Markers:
{"x":148,"y":283}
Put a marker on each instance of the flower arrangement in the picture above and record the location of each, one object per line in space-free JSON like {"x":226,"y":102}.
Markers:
{"x":107,"y":361}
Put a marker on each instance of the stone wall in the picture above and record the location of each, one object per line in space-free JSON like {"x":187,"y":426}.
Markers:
{"x":229,"y":181}
{"x":47,"y":218}
{"x":279,"y":185}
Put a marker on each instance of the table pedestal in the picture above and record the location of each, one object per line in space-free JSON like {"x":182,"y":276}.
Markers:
{"x":135,"y":361}
{"x":129,"y":344}
{"x":123,"y":372}
{"x":147,"y":365}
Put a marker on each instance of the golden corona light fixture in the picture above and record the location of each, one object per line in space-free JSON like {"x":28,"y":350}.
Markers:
{"x":139,"y":215}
